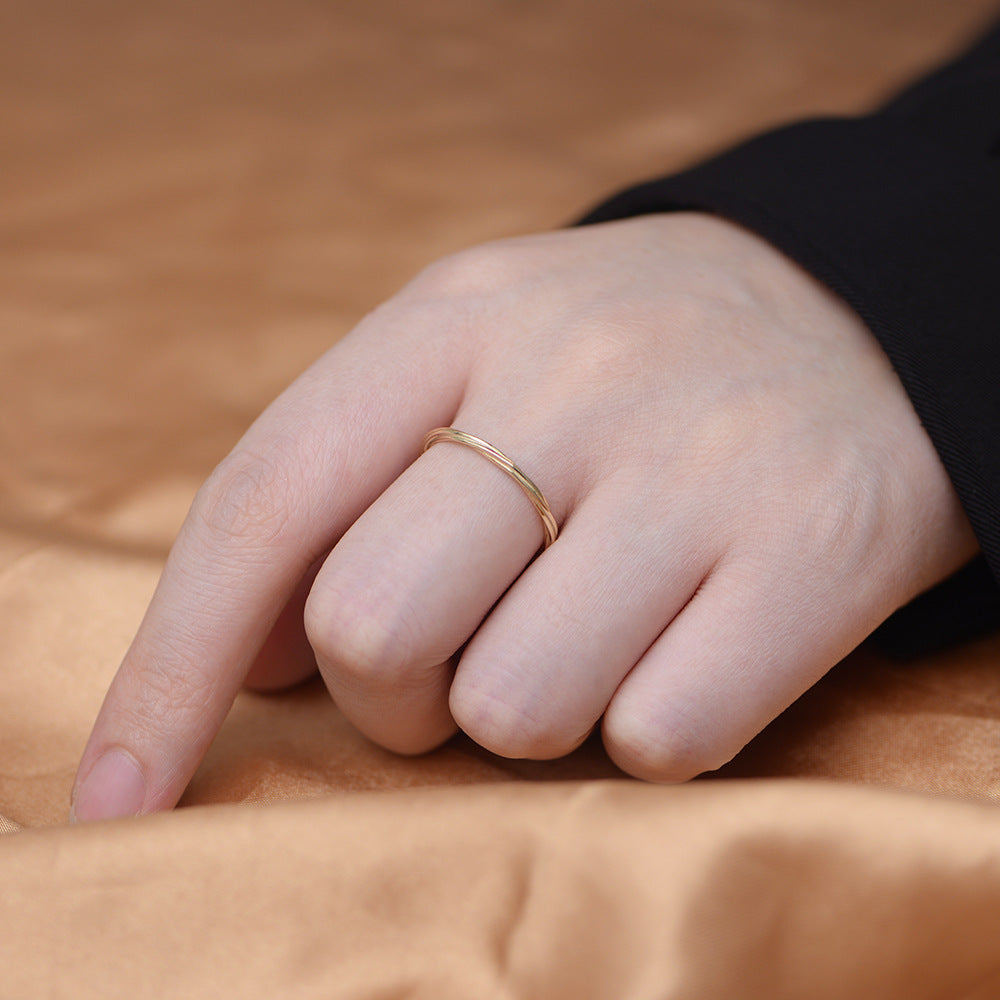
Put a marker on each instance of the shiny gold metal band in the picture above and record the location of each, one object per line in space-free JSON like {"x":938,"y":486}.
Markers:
{"x":499,"y":459}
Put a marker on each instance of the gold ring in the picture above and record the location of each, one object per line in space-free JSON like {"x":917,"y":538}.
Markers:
{"x":499,"y":459}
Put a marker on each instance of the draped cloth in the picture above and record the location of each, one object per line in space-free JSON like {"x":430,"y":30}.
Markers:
{"x":197,"y":200}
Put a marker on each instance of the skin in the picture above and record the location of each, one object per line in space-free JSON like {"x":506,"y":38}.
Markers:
{"x":743,"y":491}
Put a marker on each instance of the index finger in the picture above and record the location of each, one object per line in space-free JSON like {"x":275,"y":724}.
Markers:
{"x":306,"y":469}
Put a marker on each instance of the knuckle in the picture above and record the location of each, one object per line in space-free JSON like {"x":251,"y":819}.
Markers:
{"x":612,"y":350}
{"x":247,"y":498}
{"x":469,"y":273}
{"x":491,"y":722}
{"x":358,"y":646}
{"x":846,"y":515}
{"x":508,"y":728}
{"x":838,"y":513}
{"x":666,"y":751}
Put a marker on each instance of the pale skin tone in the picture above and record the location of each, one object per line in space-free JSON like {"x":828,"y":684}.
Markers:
{"x":743,"y":491}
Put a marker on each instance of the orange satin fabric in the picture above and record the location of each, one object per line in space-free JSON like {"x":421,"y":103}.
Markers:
{"x":197,"y":200}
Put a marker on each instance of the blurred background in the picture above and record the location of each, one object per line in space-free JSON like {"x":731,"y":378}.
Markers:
{"x":196,"y":199}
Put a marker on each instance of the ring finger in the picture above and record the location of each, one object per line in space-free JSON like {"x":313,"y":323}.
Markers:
{"x":410,"y":582}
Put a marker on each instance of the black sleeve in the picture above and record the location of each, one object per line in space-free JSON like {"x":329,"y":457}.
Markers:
{"x":898,"y":212}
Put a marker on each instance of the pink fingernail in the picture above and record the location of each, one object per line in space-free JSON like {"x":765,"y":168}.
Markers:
{"x":113,"y":787}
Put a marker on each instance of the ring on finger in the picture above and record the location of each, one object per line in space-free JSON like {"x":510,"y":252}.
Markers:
{"x":499,"y":459}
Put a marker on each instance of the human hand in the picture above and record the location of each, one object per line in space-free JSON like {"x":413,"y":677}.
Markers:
{"x":743,"y":489}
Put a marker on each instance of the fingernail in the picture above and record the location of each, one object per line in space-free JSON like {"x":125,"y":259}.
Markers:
{"x":113,"y":787}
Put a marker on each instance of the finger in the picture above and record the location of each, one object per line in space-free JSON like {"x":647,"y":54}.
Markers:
{"x":540,"y":672}
{"x":286,"y":658}
{"x":305,"y":470}
{"x":410,"y":582}
{"x":749,"y":643}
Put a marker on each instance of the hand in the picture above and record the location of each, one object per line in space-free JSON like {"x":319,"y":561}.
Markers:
{"x":743,"y":489}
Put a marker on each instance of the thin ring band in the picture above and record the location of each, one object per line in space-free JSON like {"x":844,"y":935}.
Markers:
{"x":499,"y":459}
